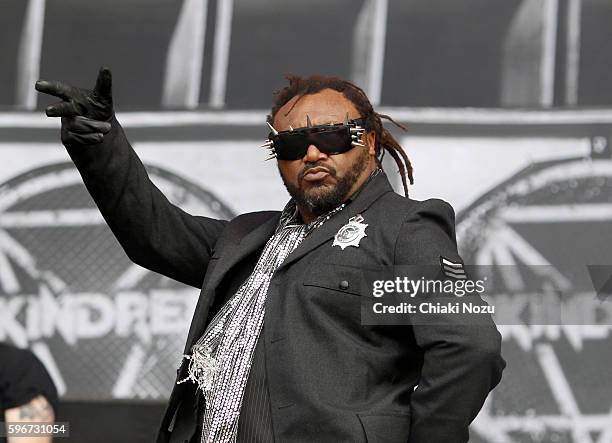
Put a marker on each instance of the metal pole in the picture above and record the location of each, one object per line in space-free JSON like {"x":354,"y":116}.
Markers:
{"x":28,"y":61}
{"x":223,"y":32}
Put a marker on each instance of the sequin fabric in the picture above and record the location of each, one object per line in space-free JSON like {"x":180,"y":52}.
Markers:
{"x":220,"y":361}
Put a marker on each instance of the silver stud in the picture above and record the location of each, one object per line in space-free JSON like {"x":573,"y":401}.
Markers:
{"x":308,"y":122}
{"x":346,"y":119}
{"x":274,"y":131}
{"x":357,"y":144}
{"x":291,"y":128}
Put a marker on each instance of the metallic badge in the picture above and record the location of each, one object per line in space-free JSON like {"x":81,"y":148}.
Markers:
{"x":351,"y":233}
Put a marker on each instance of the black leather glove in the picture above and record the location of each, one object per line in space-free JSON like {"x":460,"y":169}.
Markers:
{"x":85,"y":114}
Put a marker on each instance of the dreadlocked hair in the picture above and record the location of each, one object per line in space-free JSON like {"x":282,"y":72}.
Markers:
{"x":300,"y":86}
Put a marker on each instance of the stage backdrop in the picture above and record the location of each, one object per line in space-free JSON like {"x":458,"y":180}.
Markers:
{"x":499,"y":97}
{"x":524,"y":195}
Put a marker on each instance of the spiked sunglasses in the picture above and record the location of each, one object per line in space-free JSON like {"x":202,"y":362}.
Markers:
{"x":334,"y":138}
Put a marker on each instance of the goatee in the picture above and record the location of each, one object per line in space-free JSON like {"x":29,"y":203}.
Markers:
{"x":323,"y":198}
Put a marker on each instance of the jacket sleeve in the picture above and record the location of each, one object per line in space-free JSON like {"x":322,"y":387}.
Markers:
{"x":153,"y":232}
{"x":461,"y":360}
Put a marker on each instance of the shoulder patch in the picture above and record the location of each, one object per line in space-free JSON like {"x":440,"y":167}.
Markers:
{"x":451,"y":268}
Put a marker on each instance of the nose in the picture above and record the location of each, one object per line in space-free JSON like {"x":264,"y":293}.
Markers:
{"x":313,"y":154}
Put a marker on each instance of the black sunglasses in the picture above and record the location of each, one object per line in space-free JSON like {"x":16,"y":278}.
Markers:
{"x":330,"y":139}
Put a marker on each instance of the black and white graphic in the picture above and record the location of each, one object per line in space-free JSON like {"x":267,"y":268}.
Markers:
{"x":508,"y":107}
{"x":102,"y":325}
{"x":539,"y":229}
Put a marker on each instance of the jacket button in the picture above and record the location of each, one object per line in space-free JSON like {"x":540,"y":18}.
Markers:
{"x":344,"y":284}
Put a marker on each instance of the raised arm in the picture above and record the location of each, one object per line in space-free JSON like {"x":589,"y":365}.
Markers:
{"x":461,"y":355}
{"x":153,"y":232}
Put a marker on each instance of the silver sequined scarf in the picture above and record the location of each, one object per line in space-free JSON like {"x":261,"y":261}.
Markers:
{"x":221,"y":359}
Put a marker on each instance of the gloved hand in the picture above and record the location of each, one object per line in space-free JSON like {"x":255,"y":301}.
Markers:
{"x":85,"y":114}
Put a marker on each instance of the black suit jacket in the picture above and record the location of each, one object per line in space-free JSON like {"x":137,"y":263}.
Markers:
{"x":330,"y":378}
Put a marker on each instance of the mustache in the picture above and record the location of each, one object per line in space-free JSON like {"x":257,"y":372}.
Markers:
{"x":331,"y":170}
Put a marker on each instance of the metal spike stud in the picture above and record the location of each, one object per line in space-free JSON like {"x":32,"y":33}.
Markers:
{"x":274,"y":131}
{"x":357,"y":144}
{"x":291,"y":128}
{"x":308,"y":122}
{"x":346,"y":119}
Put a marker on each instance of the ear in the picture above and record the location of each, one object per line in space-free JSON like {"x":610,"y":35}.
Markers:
{"x":371,"y":142}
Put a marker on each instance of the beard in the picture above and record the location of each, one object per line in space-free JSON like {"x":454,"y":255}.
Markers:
{"x":322,"y":198}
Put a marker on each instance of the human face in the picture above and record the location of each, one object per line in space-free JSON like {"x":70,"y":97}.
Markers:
{"x":320,"y":182}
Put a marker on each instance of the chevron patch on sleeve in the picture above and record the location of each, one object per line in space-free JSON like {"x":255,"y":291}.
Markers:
{"x":452,"y":268}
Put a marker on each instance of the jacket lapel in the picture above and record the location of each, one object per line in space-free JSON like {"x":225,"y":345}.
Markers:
{"x":375,"y":189}
{"x":249,"y":243}
{"x":230,"y":257}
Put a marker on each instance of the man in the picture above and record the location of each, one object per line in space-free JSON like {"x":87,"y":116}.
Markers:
{"x":276,"y":350}
{"x":27,"y":394}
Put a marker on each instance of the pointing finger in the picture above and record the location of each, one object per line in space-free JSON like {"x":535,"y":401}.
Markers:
{"x":57,"y":89}
{"x":104,"y":84}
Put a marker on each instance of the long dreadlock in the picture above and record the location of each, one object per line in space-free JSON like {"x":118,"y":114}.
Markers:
{"x":300,"y":86}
